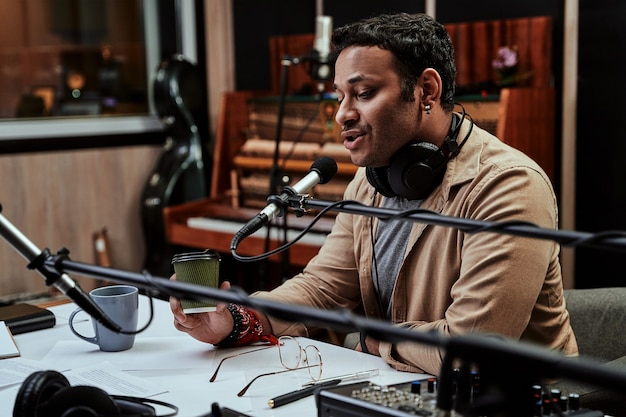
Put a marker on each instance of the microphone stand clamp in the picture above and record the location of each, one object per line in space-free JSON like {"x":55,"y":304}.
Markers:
{"x":297,"y":203}
{"x":39,"y":263}
{"x":280,"y":201}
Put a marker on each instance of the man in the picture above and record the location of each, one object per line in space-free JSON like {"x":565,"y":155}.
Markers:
{"x":394,"y":78}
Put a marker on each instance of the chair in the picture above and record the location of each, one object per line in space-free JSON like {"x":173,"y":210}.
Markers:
{"x":598,"y":317}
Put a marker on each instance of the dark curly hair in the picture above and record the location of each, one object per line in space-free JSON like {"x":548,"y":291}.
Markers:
{"x":417,"y":40}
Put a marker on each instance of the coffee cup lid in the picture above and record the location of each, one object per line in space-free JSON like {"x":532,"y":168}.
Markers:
{"x":194,"y":256}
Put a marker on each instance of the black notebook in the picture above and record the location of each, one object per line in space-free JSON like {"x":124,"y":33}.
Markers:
{"x":22,"y":318}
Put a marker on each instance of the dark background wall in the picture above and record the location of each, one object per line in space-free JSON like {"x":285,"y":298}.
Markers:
{"x":287,"y":17}
{"x":601,"y":148}
{"x":601,"y":200}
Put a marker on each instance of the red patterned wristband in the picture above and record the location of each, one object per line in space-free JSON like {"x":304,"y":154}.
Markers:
{"x":247,"y":328}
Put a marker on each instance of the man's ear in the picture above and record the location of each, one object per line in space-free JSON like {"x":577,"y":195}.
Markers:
{"x":431,"y":83}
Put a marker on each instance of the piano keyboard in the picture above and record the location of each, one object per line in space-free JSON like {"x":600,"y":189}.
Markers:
{"x":276,"y":232}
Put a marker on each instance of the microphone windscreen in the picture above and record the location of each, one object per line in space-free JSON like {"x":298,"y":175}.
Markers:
{"x":326,"y":168}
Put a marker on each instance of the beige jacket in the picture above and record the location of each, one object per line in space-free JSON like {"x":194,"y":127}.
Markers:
{"x":450,"y":281}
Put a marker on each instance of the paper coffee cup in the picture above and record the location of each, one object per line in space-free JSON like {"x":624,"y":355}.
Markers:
{"x":199,"y":268}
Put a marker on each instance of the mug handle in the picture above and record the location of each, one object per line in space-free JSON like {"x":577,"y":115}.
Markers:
{"x":93,"y":339}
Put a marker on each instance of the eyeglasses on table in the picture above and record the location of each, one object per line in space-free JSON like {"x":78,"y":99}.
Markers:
{"x":293,"y":357}
{"x":234,"y":355}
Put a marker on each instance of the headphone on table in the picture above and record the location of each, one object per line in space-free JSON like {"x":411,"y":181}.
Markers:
{"x":418,"y":167}
{"x":49,"y":394}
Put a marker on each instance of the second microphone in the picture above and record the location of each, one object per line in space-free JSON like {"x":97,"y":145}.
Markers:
{"x":321,"y":171}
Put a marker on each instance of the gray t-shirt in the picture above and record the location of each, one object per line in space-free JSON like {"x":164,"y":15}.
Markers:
{"x":389,"y":248}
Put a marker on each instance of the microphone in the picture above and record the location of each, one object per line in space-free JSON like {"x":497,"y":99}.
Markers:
{"x":320,"y":67}
{"x":321,"y":171}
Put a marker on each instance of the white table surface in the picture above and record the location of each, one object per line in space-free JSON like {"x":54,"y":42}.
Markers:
{"x":182,"y":366}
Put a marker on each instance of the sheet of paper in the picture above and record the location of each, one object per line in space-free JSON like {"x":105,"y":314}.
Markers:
{"x":115,"y":382}
{"x":147,"y":354}
{"x":103,"y":375}
{"x":8,"y":348}
{"x":14,"y":371}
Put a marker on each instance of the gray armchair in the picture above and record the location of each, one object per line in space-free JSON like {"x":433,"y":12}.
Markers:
{"x":598,"y":317}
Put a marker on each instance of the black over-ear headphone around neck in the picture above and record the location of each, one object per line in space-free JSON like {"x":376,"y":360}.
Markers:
{"x":49,"y":394}
{"x":418,"y":167}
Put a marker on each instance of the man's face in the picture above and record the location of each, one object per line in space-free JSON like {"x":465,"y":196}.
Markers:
{"x":376,"y":121}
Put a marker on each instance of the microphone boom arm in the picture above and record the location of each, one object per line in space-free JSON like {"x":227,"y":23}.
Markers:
{"x":613,"y":240}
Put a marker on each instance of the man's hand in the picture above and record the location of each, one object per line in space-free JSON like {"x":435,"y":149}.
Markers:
{"x":211,"y":327}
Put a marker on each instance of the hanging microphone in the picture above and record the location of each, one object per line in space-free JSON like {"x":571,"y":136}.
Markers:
{"x":320,"y":66}
{"x":322,"y":170}
{"x":61,"y":281}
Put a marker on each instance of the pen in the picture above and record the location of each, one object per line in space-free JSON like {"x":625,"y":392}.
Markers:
{"x":347,"y":377}
{"x":301,"y":393}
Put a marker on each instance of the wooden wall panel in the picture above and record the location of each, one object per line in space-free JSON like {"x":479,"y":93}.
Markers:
{"x":481,"y":33}
{"x":529,"y":127}
{"x":476,"y":45}
{"x":58,"y":199}
{"x":463,"y":53}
